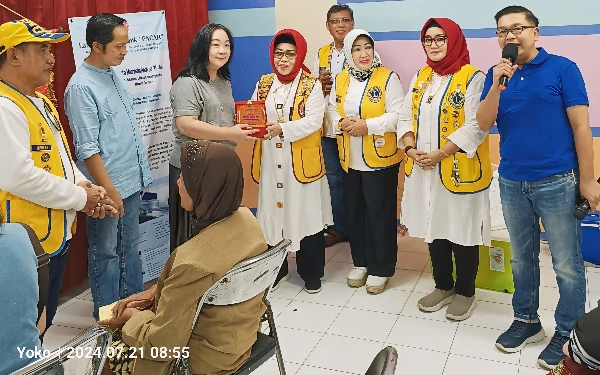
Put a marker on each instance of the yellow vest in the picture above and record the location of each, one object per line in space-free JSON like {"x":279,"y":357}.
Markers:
{"x":325,"y":54}
{"x":50,"y":225}
{"x":378,"y":151}
{"x":307,"y":155}
{"x":458,"y":173}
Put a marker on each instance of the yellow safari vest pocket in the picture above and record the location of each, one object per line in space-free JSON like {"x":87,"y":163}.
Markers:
{"x":384,"y":146}
{"x":20,"y":211}
{"x":311,"y":163}
{"x":470,"y":169}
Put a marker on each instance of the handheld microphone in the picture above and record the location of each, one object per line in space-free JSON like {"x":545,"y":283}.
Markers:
{"x":509,"y":52}
{"x":582,"y":208}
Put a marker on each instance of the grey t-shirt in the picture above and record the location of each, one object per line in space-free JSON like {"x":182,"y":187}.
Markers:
{"x":211,"y":101}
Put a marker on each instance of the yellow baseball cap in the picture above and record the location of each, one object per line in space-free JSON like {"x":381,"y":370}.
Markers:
{"x":16,"y":32}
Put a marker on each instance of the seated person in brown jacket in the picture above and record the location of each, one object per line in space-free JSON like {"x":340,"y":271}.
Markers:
{"x":583,"y":350}
{"x":222,"y":235}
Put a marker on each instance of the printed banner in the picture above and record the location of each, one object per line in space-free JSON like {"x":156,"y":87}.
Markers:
{"x":147,"y":73}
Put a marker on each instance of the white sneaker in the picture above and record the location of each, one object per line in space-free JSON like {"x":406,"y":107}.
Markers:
{"x":377,"y":284}
{"x":357,"y":277}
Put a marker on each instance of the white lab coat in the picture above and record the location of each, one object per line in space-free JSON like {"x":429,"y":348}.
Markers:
{"x":306,"y":207}
{"x":429,"y":210}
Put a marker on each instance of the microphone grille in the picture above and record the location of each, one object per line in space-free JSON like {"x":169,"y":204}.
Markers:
{"x":510,"y":51}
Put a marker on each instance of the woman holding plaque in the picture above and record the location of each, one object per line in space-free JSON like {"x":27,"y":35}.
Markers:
{"x":293,"y":195}
{"x":448,"y":167}
{"x":203,"y":108}
{"x":367,"y":97}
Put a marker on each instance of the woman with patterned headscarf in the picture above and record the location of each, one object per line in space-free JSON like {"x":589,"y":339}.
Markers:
{"x":293,"y":195}
{"x":363,"y":104}
{"x":222,"y":234}
{"x":448,"y":169}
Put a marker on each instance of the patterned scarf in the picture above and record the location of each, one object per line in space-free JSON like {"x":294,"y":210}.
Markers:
{"x":353,"y":70}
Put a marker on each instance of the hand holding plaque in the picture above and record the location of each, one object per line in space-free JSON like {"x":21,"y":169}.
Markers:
{"x":253,"y":115}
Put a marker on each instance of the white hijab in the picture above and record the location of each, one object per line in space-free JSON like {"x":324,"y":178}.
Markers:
{"x":353,"y":70}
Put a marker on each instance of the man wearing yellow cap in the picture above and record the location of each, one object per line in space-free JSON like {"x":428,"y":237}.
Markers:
{"x":39,"y":183}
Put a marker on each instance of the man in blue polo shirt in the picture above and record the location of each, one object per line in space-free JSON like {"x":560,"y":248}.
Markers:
{"x":547,"y":162}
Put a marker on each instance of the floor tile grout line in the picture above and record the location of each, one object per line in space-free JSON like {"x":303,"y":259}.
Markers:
{"x":450,"y":349}
{"x":398,"y":317}
{"x":342,"y":309}
{"x":490,"y":360}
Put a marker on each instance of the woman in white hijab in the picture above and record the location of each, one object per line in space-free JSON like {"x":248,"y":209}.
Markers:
{"x":364,"y":107}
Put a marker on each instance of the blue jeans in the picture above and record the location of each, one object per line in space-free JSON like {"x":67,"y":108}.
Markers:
{"x":335,"y":175}
{"x":552,"y":199}
{"x":114,"y":263}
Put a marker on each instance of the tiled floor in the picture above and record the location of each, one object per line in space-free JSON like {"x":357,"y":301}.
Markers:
{"x":340,"y":330}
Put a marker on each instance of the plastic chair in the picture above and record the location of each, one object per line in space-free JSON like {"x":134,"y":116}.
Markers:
{"x":245,"y":281}
{"x":384,"y":363}
{"x":84,"y":354}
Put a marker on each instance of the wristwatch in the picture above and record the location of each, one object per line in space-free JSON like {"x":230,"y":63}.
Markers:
{"x":407,"y":148}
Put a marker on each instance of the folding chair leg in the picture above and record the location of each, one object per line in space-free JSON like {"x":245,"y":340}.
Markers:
{"x":273,"y":334}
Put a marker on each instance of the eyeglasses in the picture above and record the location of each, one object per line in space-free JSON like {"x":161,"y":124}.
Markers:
{"x":336,"y":21}
{"x":438,"y":40}
{"x":517,"y":30}
{"x":289,"y":54}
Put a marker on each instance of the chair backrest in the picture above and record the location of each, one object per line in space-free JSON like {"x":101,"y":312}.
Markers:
{"x":246,"y":279}
{"x":85,"y":355}
{"x":384,"y":363}
{"x":43,"y":269}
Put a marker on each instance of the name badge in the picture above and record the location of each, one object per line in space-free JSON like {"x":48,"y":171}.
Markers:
{"x":40,"y":148}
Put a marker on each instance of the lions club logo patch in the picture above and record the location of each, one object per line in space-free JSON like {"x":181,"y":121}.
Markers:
{"x":374,"y":94}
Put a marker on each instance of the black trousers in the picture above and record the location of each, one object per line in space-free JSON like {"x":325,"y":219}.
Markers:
{"x":179,"y":219}
{"x":310,"y":259}
{"x":56,"y":275}
{"x":370,"y":203}
{"x":467,"y":263}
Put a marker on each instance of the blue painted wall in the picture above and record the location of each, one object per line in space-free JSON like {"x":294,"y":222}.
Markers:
{"x":252,"y":23}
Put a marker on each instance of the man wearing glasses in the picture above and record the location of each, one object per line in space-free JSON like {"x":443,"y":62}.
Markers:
{"x":330,"y":61}
{"x":547,"y":164}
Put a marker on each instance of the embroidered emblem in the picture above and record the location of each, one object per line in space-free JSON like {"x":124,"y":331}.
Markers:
{"x":445,"y":111}
{"x":301,"y":108}
{"x":374,"y":94}
{"x":45,"y":157}
{"x":455,"y":114}
{"x":47,"y":168}
{"x":264,"y":85}
{"x":41,"y":148}
{"x":456,"y":125}
{"x":338,"y":98}
{"x":379,"y":142}
{"x":444,"y":129}
{"x":457,"y":98}
{"x":446,"y":120}
{"x":43,"y":132}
